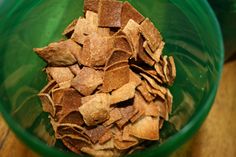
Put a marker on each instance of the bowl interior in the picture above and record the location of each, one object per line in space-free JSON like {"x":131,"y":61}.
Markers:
{"x":189,"y":29}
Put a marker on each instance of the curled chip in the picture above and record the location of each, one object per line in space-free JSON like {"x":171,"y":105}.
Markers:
{"x":108,"y":82}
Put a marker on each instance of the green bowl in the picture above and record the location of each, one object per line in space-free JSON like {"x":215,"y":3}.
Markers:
{"x":192,"y":36}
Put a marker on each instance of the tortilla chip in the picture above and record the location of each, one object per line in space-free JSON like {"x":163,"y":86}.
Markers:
{"x":91,"y":5}
{"x":131,"y":30}
{"x":117,"y":55}
{"x":159,"y":70}
{"x":154,"y":91}
{"x":123,"y":43}
{"x":124,"y":145}
{"x":96,"y":50}
{"x":129,"y":12}
{"x":116,"y":78}
{"x":96,"y":109}
{"x":123,"y":93}
{"x":115,"y":115}
{"x":145,"y":93}
{"x":73,"y":117}
{"x":146,"y":71}
{"x":153,"y":83}
{"x":59,"y":53}
{"x":49,"y":87}
{"x":163,"y":109}
{"x":96,"y":133}
{"x":165,"y":69}
{"x":97,"y":153}
{"x":87,"y":81}
{"x":154,"y":56}
{"x":146,"y":128}
{"x":118,"y":64}
{"x":172,"y":69}
{"x":75,"y":69}
{"x":143,"y":55}
{"x":152,"y":109}
{"x":109,"y":13}
{"x":126,"y":112}
{"x":151,"y":34}
{"x":169,"y":100}
{"x":47,"y":103}
{"x":60,"y":74}
{"x":81,"y":31}
{"x":108,"y":145}
{"x":106,"y":138}
{"x":139,"y":105}
{"x":70,"y":29}
{"x":75,"y":144}
{"x":133,"y":77}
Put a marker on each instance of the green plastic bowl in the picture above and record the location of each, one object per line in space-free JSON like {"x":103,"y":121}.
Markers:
{"x":192,"y":36}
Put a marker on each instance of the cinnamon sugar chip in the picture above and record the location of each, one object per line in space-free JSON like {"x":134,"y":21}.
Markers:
{"x":108,"y":84}
{"x":115,"y":115}
{"x":60,"y":53}
{"x":131,"y":30}
{"x":126,"y":112}
{"x":87,"y":81}
{"x":145,"y":93}
{"x":123,"y":43}
{"x":109,"y":13}
{"x":60,"y":74}
{"x":124,"y":93}
{"x":146,"y":128}
{"x":115,"y":78}
{"x":47,"y":103}
{"x":70,"y":28}
{"x":151,"y":34}
{"x":129,"y":12}
{"x":143,"y":55}
{"x":96,"y":50}
{"x":91,"y":5}
{"x":96,"y":133}
{"x":95,"y":110}
{"x":118,"y":55}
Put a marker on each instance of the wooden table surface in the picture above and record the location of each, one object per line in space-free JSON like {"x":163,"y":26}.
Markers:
{"x":216,"y":138}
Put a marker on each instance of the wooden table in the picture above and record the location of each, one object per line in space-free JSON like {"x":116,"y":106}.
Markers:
{"x":216,"y":138}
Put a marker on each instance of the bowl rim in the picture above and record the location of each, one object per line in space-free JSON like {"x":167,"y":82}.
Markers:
{"x":174,"y":142}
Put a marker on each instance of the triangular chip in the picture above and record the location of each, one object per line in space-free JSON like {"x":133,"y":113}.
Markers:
{"x":129,"y":12}
{"x":123,"y":43}
{"x":75,"y":69}
{"x":163,"y":108}
{"x":117,"y":55}
{"x":114,"y":79}
{"x":131,"y":30}
{"x":151,"y":34}
{"x":60,"y":53}
{"x":115,"y":115}
{"x":145,"y":93}
{"x":96,"y":133}
{"x":154,"y":56}
{"x":96,"y":109}
{"x":126,"y":112}
{"x":105,"y":146}
{"x":123,"y":93}
{"x":109,"y":13}
{"x":172,"y":69}
{"x":146,"y":128}
{"x":47,"y":103}
{"x":60,"y":74}
{"x":49,"y":87}
{"x":143,"y":55}
{"x":116,"y":65}
{"x":105,"y":138}
{"x":139,"y":105}
{"x":96,"y":50}
{"x":133,"y":77}
{"x":169,"y":100}
{"x":87,"y":81}
{"x":154,"y":91}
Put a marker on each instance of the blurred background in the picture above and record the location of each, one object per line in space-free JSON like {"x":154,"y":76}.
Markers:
{"x":217,"y":136}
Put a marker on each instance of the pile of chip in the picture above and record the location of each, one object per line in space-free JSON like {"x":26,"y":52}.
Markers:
{"x":107,"y":90}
